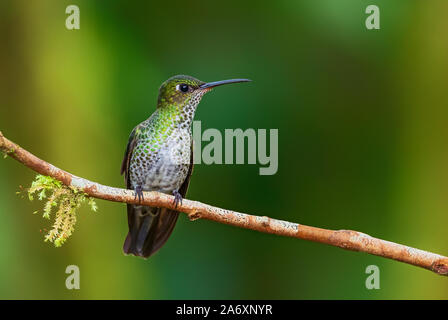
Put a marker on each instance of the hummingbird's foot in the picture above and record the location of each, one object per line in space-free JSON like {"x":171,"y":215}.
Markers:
{"x":177,"y":198}
{"x":139,"y":193}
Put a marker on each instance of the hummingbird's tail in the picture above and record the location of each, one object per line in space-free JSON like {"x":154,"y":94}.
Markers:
{"x":149,"y":229}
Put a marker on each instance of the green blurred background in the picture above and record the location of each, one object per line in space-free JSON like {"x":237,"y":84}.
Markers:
{"x":362,"y":119}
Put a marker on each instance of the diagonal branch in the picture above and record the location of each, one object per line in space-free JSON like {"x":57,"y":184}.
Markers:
{"x":346,"y":239}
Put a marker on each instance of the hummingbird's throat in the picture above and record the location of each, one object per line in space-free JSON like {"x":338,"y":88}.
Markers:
{"x":189,"y":108}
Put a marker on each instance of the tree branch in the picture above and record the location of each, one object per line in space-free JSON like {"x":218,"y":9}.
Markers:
{"x":346,"y":239}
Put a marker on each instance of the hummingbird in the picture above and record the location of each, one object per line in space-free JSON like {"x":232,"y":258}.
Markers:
{"x":159,"y":157}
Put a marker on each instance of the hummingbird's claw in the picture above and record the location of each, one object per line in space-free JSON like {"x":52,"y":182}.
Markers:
{"x":139,"y":193}
{"x":177,"y":198}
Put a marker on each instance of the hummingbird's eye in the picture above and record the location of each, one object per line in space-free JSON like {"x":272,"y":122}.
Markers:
{"x":182,"y":87}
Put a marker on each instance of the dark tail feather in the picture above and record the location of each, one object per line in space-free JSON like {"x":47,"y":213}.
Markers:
{"x":149,"y":229}
{"x":167,"y":222}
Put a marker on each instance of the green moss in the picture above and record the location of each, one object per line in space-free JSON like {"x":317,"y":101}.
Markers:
{"x":6,"y":153}
{"x":65,"y":200}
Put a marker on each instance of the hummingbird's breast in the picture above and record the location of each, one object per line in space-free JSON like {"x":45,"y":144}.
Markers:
{"x":164,"y":162}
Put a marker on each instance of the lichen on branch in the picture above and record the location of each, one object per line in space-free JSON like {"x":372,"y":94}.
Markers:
{"x":66,"y":201}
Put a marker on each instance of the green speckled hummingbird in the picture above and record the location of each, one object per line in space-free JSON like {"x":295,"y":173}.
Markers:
{"x":159,"y":157}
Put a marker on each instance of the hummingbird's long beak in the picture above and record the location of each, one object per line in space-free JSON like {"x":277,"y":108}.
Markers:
{"x":210,"y":85}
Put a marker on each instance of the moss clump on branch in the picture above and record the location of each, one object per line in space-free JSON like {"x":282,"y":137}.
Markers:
{"x":65,"y":199}
{"x":6,"y":153}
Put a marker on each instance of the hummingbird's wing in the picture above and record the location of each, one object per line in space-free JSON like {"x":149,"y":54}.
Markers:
{"x":184,"y":187}
{"x":134,"y":222}
{"x":168,"y":218}
{"x":127,"y":156}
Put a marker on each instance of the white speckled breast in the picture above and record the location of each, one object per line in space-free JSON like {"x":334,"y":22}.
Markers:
{"x":170,"y":167}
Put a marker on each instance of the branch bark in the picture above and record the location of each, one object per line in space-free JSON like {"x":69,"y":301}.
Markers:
{"x":346,"y":239}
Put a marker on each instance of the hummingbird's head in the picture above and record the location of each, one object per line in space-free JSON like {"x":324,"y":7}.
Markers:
{"x":182,"y":91}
